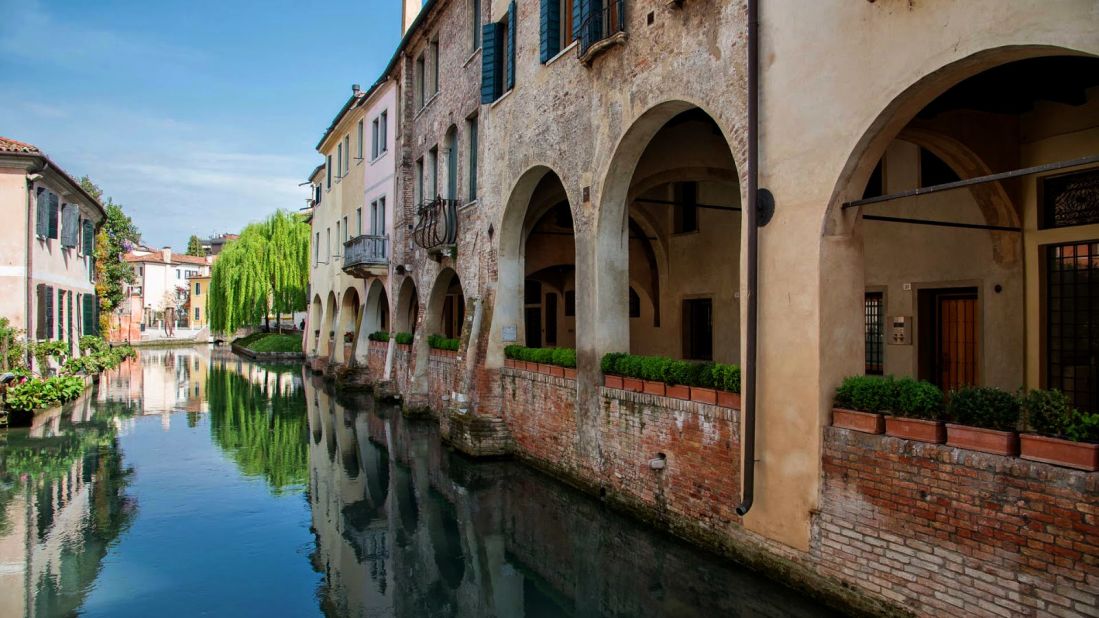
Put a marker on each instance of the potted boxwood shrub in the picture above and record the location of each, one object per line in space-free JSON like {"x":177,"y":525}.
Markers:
{"x":1062,"y":435}
{"x":984,"y":419}
{"x":727,"y":381}
{"x":678,"y":377}
{"x":916,"y":410}
{"x":702,"y":388}
{"x":609,"y":366}
{"x":630,"y":368}
{"x":859,"y":402}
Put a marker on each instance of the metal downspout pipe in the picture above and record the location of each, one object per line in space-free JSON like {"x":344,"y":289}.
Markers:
{"x":748,"y":383}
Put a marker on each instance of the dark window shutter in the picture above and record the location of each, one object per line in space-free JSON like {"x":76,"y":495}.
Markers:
{"x":68,"y":226}
{"x":95,"y":315}
{"x":49,"y":313}
{"x":579,"y":11}
{"x":40,"y":312}
{"x":513,"y":25}
{"x":489,"y":62}
{"x":550,"y":24}
{"x":70,"y":318}
{"x":55,"y":212}
{"x":42,"y":212}
{"x":89,"y":237}
{"x":61,"y":314}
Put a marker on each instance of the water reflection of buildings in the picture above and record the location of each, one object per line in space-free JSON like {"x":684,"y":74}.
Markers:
{"x":62,"y":503}
{"x":162,"y":381}
{"x":406,"y":528}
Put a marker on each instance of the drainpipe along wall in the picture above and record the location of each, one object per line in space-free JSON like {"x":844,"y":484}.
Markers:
{"x":751,"y":212}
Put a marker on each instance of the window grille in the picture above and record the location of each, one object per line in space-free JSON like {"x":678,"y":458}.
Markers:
{"x":874,"y":308}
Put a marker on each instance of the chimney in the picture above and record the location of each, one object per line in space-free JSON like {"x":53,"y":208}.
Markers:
{"x":167,"y":255}
{"x":411,"y":10}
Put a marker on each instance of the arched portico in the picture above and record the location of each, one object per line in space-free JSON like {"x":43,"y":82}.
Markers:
{"x":347,"y":324}
{"x":445,"y":316}
{"x":328,"y":324}
{"x":316,"y":317}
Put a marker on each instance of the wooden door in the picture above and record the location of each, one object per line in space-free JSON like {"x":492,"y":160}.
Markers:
{"x":957,"y":336}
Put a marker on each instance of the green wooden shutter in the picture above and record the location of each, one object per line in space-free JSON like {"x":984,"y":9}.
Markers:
{"x":42,"y":213}
{"x":40,"y":312}
{"x":490,"y":62}
{"x":49,"y":313}
{"x":55,"y":212}
{"x":550,"y":24}
{"x":89,"y":237}
{"x":71,"y":317}
{"x":513,"y":25}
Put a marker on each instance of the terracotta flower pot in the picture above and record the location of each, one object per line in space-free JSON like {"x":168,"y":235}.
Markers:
{"x":633,"y":385}
{"x":612,"y":381}
{"x":726,"y":399}
{"x":984,"y":440}
{"x":866,"y":422}
{"x":915,"y":429}
{"x":1079,"y":455}
{"x":570,"y":372}
{"x":654,"y":388}
{"x":678,"y":391}
{"x":703,"y":395}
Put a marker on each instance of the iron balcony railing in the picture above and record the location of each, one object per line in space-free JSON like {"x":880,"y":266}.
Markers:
{"x":366,"y":250}
{"x":436,"y":223}
{"x":604,"y":20}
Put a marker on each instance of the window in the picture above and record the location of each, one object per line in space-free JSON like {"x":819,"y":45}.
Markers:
{"x":498,"y":57}
{"x":196,"y":318}
{"x":361,"y":136}
{"x":874,"y":310}
{"x":359,"y":221}
{"x":61,"y":314}
{"x":317,"y":249}
{"x":337,"y":238}
{"x":383,"y":132}
{"x":472,"y":129}
{"x":346,"y":230}
{"x":375,"y":133}
{"x":1072,"y":307}
{"x":686,"y":208}
{"x":328,"y":242}
{"x":419,"y":85}
{"x":377,"y":217}
{"x":347,"y":154}
{"x":198,"y":288}
{"x":328,"y":171}
{"x":421,"y":197}
{"x":1070,"y":199}
{"x":433,"y":161}
{"x":698,"y":329}
{"x":435,"y":67}
{"x":556,"y":28}
{"x":476,"y":12}
{"x":339,"y":161}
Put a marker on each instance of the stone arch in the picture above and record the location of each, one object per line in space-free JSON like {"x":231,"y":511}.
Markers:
{"x":445,"y":281}
{"x":407,"y":312}
{"x":625,"y":181}
{"x":328,"y":326}
{"x":316,"y":317}
{"x":842,"y":274}
{"x":522,"y":210}
{"x":347,"y":324}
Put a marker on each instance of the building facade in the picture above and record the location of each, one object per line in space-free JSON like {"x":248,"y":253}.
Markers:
{"x":47,"y":262}
{"x":161,"y":290}
{"x":577,"y":174}
{"x":352,"y":226}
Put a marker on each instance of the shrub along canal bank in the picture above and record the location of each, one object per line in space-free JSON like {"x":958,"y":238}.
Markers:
{"x":270,"y":346}
{"x":282,"y":497}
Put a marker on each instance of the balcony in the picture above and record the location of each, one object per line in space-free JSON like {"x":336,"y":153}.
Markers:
{"x":603,"y":27}
{"x":366,"y":256}
{"x":436,"y":224}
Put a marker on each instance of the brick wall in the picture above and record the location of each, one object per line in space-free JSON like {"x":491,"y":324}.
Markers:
{"x":375,"y":360}
{"x":946,"y":531}
{"x":443,"y":373}
{"x":700,"y":484}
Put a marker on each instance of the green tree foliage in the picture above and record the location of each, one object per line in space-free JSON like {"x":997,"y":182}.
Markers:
{"x":264,"y":271}
{"x":117,"y":235}
{"x":194,"y":247}
{"x":261,"y":428}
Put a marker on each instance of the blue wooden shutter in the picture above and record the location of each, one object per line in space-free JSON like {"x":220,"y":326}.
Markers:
{"x":550,"y":24}
{"x":579,"y":11}
{"x":513,"y":25}
{"x":55,"y":212}
{"x":42,"y":213}
{"x":489,"y":62}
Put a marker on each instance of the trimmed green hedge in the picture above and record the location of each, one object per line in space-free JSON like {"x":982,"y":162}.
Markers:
{"x":439,"y":342}
{"x":379,"y":335}
{"x":562,"y":357}
{"x":888,"y":395}
{"x":404,"y":338}
{"x":659,"y":369}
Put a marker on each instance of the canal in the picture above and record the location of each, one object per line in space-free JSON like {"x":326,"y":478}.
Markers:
{"x":192,"y":482}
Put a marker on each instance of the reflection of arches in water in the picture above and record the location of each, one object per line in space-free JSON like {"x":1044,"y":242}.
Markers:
{"x":375,"y":461}
{"x":407,"y":507}
{"x":442,"y":527}
{"x":330,"y":435}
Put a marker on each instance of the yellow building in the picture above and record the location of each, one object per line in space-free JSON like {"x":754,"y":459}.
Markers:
{"x":198,"y":287}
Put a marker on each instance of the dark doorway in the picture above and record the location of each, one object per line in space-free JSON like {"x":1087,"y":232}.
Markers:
{"x":551,"y":319}
{"x":533,"y":316}
{"x":949,"y":335}
{"x":1072,"y":318}
{"x":698,"y":329}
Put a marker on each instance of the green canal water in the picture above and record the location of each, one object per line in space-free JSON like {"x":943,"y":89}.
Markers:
{"x":194,"y":483}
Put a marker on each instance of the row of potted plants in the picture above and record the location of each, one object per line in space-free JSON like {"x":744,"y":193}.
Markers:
{"x":557,"y":362}
{"x":1040,"y":425}
{"x":31,"y":392}
{"x":704,"y":382}
{"x":444,"y":344}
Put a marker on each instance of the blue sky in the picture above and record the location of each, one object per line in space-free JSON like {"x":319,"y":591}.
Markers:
{"x":197,"y":116}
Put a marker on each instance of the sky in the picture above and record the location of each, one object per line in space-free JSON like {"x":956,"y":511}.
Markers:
{"x":197,"y":116}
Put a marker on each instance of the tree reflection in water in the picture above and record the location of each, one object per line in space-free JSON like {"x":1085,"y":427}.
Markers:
{"x":259,"y":423}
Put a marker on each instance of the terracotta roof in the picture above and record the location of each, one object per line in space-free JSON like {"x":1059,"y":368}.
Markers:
{"x":158,"y":256}
{"x":10,"y":145}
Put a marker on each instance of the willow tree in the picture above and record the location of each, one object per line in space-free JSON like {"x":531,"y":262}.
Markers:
{"x":264,"y":271}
